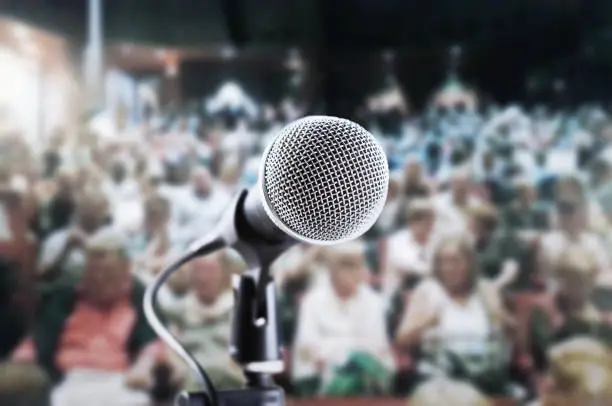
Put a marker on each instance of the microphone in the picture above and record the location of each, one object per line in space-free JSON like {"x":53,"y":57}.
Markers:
{"x":323,"y":180}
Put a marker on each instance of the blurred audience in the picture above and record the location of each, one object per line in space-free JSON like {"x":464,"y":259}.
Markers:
{"x":90,"y":334}
{"x":492,"y":249}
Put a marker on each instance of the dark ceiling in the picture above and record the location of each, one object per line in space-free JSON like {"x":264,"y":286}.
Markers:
{"x":504,"y":39}
{"x":358,"y":24}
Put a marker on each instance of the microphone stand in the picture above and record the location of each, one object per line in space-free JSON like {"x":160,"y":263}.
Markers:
{"x":255,"y":342}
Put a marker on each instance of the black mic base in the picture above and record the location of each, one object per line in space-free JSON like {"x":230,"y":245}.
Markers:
{"x":270,"y":396}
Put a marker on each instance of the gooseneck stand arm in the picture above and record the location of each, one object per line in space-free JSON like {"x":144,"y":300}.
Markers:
{"x":255,"y":342}
{"x":150,"y":298}
{"x":255,"y":336}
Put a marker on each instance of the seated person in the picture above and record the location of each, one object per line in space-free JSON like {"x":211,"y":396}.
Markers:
{"x":414,"y":184}
{"x":298,"y":269}
{"x":439,"y":392}
{"x":571,"y":188}
{"x":451,"y":206}
{"x":525,"y":213}
{"x":62,"y":252}
{"x":580,"y":373}
{"x":457,"y":321}
{"x":90,"y":337}
{"x":341,"y":346}
{"x":573,"y":312}
{"x":152,"y":246}
{"x":409,"y":250}
{"x":500,"y":254}
{"x":572,"y":232}
{"x":203,"y":320}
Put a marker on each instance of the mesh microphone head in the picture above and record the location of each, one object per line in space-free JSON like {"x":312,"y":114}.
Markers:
{"x":324,"y":180}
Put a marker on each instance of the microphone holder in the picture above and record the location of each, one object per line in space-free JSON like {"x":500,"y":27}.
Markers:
{"x":255,"y":341}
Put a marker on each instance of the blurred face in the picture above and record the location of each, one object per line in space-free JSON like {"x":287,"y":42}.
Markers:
{"x":527,"y":195}
{"x":412,"y":172}
{"x":347,"y":274}
{"x":207,"y":279}
{"x":65,"y":183}
{"x":572,"y":219}
{"x":394,"y":190}
{"x":230,"y":175}
{"x":92,"y":213}
{"x":422,"y":228}
{"x":156,"y":216}
{"x":453,"y":268}
{"x":568,"y":189}
{"x":460,"y":187}
{"x":575,"y":290}
{"x":106,"y":279}
{"x":202,"y":183}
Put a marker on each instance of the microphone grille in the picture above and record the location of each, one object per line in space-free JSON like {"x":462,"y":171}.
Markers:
{"x":325,"y":179}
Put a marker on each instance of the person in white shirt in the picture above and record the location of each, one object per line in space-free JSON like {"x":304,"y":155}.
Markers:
{"x":457,"y":314}
{"x":572,"y":231}
{"x":409,"y":251}
{"x":120,"y":186}
{"x":206,"y":204}
{"x":178,"y":191}
{"x":451,"y":207}
{"x":156,"y":242}
{"x":125,"y":197}
{"x":341,"y":346}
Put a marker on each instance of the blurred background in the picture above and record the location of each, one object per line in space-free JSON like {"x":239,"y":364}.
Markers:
{"x":126,"y":127}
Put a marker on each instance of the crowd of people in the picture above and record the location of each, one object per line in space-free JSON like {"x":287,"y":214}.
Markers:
{"x":485,"y":206}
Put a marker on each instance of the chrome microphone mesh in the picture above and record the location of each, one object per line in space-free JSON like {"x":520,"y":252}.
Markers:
{"x":324,"y":179}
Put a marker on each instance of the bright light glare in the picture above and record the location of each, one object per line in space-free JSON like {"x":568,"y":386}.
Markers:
{"x":231,"y":95}
{"x":31,"y":48}
{"x":19,"y":92}
{"x":21,"y":32}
